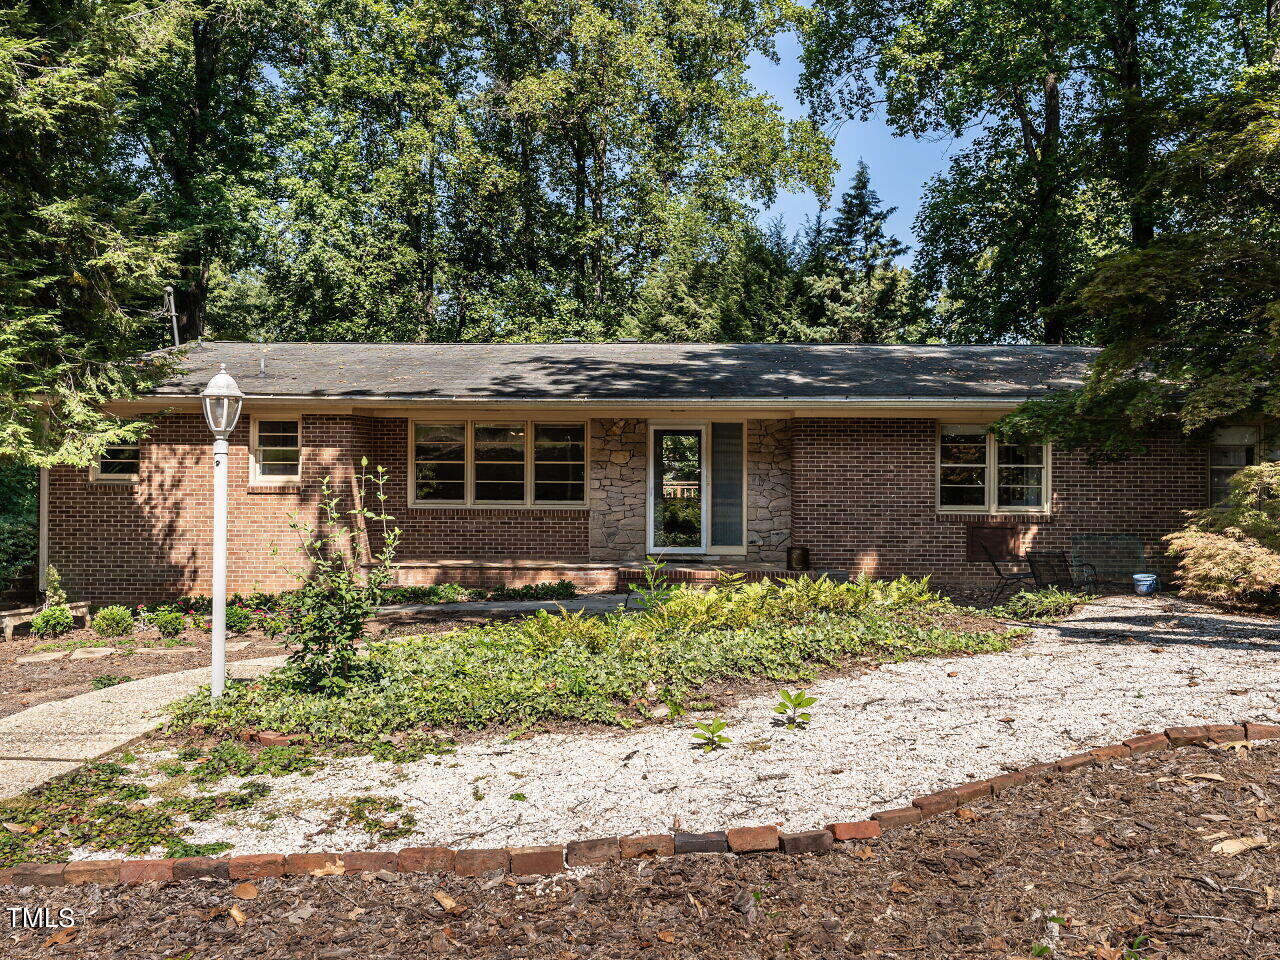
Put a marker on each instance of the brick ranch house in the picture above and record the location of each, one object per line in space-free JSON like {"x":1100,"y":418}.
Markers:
{"x":518,"y":463}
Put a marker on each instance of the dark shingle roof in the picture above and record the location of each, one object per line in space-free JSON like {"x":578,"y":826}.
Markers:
{"x":621,"y":372}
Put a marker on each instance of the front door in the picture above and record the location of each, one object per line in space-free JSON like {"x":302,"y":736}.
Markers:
{"x":678,"y":520}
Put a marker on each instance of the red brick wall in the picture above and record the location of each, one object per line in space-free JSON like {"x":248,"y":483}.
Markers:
{"x":130,"y":543}
{"x":438,"y":533}
{"x":863,"y":499}
{"x":136,"y":542}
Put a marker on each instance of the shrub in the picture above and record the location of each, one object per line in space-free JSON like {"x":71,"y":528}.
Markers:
{"x":114,"y":621}
{"x":434,"y":593}
{"x":239,"y":619}
{"x":170,"y":623}
{"x":52,"y":622}
{"x":54,"y":595}
{"x":1231,"y":553}
{"x":560,"y":590}
{"x":334,"y":602}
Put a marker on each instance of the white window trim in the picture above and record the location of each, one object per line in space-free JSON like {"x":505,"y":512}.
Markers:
{"x":705,"y":427}
{"x":257,"y":479}
{"x":469,"y":469}
{"x":990,"y":508}
{"x":97,"y":476}
{"x":1259,"y":455}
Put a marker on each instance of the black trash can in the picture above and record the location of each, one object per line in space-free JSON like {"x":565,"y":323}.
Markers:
{"x":797,"y":558}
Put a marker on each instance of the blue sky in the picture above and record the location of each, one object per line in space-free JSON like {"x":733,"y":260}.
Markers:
{"x":900,"y":166}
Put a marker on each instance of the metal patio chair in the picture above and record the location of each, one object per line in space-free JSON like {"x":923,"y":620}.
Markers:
{"x":1005,"y":579}
{"x":1053,"y":568}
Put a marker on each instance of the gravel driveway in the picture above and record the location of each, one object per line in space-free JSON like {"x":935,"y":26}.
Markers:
{"x":1119,"y":665}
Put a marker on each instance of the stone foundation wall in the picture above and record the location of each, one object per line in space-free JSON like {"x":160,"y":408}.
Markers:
{"x":619,"y":466}
{"x":768,"y":490}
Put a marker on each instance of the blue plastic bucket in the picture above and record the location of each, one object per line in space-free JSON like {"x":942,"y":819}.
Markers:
{"x":1145,"y":584}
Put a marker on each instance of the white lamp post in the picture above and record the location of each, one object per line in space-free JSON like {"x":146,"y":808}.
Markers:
{"x":222,"y":400}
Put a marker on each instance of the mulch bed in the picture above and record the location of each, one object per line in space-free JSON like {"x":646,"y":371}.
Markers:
{"x":1088,"y":865}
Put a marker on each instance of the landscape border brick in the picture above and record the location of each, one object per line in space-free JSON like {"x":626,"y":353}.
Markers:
{"x":546,"y":860}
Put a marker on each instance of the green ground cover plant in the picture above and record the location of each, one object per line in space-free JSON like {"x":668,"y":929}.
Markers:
{"x":1050,"y":603}
{"x":98,"y":807}
{"x":570,"y":666}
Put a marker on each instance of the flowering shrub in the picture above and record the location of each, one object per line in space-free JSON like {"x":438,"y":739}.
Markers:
{"x":1231,"y":553}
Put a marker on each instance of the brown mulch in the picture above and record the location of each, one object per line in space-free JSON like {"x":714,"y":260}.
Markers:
{"x":25,"y":685}
{"x":1087,"y":865}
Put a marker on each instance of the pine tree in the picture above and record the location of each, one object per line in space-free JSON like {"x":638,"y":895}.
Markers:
{"x":857,"y":236}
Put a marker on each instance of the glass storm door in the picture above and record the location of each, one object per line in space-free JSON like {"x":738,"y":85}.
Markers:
{"x":678,"y":521}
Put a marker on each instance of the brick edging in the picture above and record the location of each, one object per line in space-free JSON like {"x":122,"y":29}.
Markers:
{"x":545,"y":860}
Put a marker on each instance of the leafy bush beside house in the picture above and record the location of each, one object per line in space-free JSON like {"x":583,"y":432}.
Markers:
{"x":1231,"y":553}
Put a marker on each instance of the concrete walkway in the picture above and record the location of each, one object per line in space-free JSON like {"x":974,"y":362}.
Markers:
{"x":52,"y":738}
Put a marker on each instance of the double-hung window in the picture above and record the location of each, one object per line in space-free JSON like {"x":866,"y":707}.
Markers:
{"x":979,"y":474}
{"x":277,"y":450}
{"x":499,"y":463}
{"x":118,"y":463}
{"x":1233,"y":449}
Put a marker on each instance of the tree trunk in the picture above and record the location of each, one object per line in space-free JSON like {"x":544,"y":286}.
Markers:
{"x":1136,"y":135}
{"x":1049,"y":201}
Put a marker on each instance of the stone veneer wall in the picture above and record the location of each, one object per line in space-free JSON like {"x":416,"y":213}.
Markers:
{"x":619,"y":462}
{"x":768,"y":490}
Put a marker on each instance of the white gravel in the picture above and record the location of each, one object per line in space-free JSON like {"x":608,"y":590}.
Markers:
{"x":1119,"y":665}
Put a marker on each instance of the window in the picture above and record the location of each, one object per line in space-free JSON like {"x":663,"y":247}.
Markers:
{"x":499,"y":457}
{"x":559,"y":462}
{"x":440,"y":462}
{"x":1233,"y":449}
{"x":277,"y":451}
{"x":483,"y":463}
{"x":969,"y":458}
{"x":118,"y":463}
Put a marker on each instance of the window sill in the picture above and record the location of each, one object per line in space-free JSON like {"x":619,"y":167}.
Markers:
{"x":984,"y":516}
{"x":499,"y":506}
{"x":293,"y":486}
{"x":102,"y":482}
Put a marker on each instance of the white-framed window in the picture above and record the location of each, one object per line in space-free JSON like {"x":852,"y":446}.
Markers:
{"x":276,"y":450}
{"x":1233,"y":449}
{"x":979,"y":474}
{"x":118,"y":463}
{"x":497,"y":462}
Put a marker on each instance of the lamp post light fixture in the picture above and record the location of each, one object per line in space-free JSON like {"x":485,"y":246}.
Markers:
{"x":222,"y":401}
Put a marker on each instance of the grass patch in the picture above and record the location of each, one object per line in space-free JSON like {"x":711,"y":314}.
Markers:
{"x":570,"y":666}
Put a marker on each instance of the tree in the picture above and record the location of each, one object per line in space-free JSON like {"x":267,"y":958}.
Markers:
{"x":851,"y":287}
{"x":518,"y":170}
{"x":202,"y":100}
{"x":82,"y":256}
{"x":857,"y":238}
{"x":1190,"y":323}
{"x":1067,"y":98}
